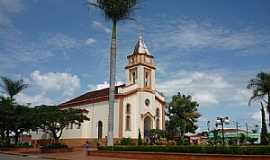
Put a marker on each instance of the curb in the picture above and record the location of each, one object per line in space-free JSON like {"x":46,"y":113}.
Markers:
{"x":16,"y":154}
{"x":30,"y":155}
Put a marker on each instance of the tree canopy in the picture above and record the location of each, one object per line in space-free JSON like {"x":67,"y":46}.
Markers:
{"x":183,"y":113}
{"x":115,"y":9}
{"x":54,"y":120}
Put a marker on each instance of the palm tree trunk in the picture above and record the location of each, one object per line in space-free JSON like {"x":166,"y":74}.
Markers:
{"x":16,"y":137}
{"x":264,"y":128}
{"x":7,"y":137}
{"x":112,"y":85}
{"x":268,"y":108}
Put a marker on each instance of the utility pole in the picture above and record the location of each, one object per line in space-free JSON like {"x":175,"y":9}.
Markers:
{"x":237,"y":130}
{"x":247,"y":129}
{"x":208,"y":126}
{"x":221,"y":121}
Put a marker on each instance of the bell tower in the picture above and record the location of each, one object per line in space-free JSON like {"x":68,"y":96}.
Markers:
{"x":141,"y":68}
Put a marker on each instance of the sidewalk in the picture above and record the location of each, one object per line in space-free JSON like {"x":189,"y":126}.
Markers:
{"x":75,"y":155}
{"x":80,"y":154}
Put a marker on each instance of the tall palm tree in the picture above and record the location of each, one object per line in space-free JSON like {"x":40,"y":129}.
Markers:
{"x":261,"y":89}
{"x":11,"y":87}
{"x":114,"y":10}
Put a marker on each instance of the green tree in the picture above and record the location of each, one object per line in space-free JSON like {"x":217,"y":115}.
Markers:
{"x":11,"y":88}
{"x":242,"y":138}
{"x":22,"y":121}
{"x":260,"y":87}
{"x":114,"y":10}
{"x":54,"y":120}
{"x":6,"y":110}
{"x":183,"y":114}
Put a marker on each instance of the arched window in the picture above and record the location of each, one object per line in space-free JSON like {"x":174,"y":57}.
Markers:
{"x":128,"y":109}
{"x":128,"y":123}
{"x":99,"y":129}
{"x":157,"y":118}
{"x":133,"y":75}
{"x":128,"y":119}
{"x":147,"y":77}
{"x":157,"y":112}
{"x":157,"y":123}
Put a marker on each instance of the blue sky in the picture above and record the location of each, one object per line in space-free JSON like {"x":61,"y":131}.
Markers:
{"x":209,"y":49}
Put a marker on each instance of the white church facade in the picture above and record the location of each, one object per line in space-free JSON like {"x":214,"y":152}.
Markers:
{"x":138,"y":105}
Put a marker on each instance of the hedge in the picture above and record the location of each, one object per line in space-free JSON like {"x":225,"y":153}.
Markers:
{"x":55,"y":146}
{"x":244,"y":150}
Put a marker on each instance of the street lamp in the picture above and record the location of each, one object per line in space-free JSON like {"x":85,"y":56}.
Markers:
{"x":221,"y":121}
{"x":237,"y":130}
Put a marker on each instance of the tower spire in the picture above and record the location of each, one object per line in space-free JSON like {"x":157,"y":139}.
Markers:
{"x":140,"y":47}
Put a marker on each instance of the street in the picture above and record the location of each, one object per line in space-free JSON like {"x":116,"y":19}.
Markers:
{"x":15,"y":157}
{"x":72,"y":155}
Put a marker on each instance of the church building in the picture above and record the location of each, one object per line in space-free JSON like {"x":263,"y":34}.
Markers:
{"x":138,"y":105}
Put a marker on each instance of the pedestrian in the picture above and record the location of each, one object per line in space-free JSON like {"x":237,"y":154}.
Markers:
{"x":87,"y":148}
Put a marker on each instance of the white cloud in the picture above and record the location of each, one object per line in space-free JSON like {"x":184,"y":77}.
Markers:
{"x":102,"y":85}
{"x":190,"y":35}
{"x":206,"y":87}
{"x":34,"y":100}
{"x":62,"y":41}
{"x":101,"y":26}
{"x":48,"y":88}
{"x":90,"y":41}
{"x":64,"y":82}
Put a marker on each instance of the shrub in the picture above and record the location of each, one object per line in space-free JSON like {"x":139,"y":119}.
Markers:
{"x":249,"y":150}
{"x":55,"y":146}
{"x":20,"y":145}
{"x":125,"y":141}
{"x":182,"y":141}
{"x":23,"y":145}
{"x":140,"y":138}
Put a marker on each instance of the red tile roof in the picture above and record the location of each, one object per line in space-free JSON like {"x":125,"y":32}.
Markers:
{"x":90,"y":97}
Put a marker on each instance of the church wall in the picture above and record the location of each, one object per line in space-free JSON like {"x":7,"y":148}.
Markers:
{"x":133,"y":101}
{"x":160,"y":106}
{"x":89,"y":129}
{"x":146,"y":109}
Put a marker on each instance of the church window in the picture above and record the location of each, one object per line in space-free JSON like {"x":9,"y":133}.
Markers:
{"x":100,"y":129}
{"x":157,"y":123}
{"x":128,"y":109}
{"x":133,"y":75}
{"x":157,"y":118}
{"x":128,"y":119}
{"x":147,"y":77}
{"x":147,"y":102}
{"x":157,"y":112}
{"x":128,"y":123}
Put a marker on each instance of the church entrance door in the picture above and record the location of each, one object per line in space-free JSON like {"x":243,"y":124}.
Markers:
{"x":99,"y":130}
{"x":147,"y":126}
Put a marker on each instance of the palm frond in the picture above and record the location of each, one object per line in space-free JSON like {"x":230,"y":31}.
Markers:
{"x":115,"y":9}
{"x":11,"y":87}
{"x":260,"y":87}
